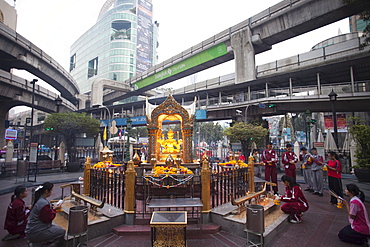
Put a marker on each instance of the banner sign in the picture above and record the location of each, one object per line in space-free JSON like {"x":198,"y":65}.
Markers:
{"x":144,"y":36}
{"x":141,"y":120}
{"x":341,"y":122}
{"x":200,"y":58}
{"x":10,"y":134}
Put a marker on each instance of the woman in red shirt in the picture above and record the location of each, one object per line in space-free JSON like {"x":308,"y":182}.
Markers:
{"x":295,"y":202}
{"x":334,"y":176}
{"x":16,"y":215}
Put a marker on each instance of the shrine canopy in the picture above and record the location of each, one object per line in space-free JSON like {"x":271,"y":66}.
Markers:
{"x":170,"y":110}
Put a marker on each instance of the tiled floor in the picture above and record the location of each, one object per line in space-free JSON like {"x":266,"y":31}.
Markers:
{"x":320,"y":226}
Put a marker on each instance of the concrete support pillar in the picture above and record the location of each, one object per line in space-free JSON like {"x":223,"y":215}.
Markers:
{"x":352,"y":79}
{"x":267,"y":90}
{"x":219,"y":98}
{"x":249,"y":93}
{"x":130,"y":193}
{"x":290,"y":87}
{"x":245,"y":65}
{"x":206,"y":190}
{"x":318,"y":84}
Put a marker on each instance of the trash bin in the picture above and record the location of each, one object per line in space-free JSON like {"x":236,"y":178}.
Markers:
{"x":77,"y":223}
{"x":255,"y":218}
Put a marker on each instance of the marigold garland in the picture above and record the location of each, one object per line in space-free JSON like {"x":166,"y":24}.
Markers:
{"x":105,"y":164}
{"x":234,"y":163}
{"x":155,"y":181}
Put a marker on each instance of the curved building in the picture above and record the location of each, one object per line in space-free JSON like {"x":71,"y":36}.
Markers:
{"x":122,"y":43}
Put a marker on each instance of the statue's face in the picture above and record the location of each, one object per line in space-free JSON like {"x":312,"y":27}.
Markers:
{"x":170,"y":135}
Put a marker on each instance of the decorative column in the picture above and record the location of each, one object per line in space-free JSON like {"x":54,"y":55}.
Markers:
{"x":87,"y":176}
{"x":187,"y":134}
{"x":130,"y":193}
{"x":251,"y":174}
{"x":206,"y":190}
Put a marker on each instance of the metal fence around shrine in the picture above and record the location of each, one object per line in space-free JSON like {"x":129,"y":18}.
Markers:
{"x":227,"y":182}
{"x":109,"y":184}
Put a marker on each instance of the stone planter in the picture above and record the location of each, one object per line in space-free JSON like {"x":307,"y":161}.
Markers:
{"x":363,"y":175}
{"x":73,"y":166}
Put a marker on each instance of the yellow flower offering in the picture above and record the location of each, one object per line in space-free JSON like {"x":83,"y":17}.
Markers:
{"x":105,"y":164}
{"x":170,"y":170}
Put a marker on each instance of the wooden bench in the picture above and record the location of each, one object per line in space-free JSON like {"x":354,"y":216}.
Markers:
{"x":49,"y":165}
{"x":8,"y":169}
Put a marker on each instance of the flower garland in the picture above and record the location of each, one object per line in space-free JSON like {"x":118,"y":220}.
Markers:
{"x":154,"y":180}
{"x":238,"y":163}
{"x":105,"y":164}
{"x":171,"y":170}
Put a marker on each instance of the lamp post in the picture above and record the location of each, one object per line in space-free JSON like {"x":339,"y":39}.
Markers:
{"x":308,"y":114}
{"x":129,"y":125}
{"x":58,"y":103}
{"x":333,"y":98}
{"x":33,"y":82}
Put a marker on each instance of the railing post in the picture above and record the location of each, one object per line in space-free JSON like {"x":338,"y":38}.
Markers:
{"x":206,"y":190}
{"x":251,"y":173}
{"x":87,"y":176}
{"x":129,"y":208}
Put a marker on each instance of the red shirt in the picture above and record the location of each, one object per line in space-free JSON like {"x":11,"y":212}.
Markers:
{"x":287,"y":157}
{"x":338,"y":167}
{"x":269,"y":155}
{"x":295,"y":194}
{"x":16,"y":217}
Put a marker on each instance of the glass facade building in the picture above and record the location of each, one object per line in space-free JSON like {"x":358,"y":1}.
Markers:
{"x":122,"y":43}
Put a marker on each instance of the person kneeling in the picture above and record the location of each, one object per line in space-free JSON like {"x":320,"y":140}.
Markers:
{"x":40,"y":228}
{"x":359,"y":229}
{"x":295,"y":202}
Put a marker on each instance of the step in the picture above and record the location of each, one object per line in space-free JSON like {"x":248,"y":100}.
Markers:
{"x":191,"y":229}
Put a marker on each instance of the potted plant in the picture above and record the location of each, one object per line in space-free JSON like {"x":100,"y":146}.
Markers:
{"x":361,"y":134}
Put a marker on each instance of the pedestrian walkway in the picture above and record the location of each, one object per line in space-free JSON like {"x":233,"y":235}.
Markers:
{"x":320,"y":226}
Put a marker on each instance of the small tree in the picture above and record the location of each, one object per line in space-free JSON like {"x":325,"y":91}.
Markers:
{"x":70,"y":125}
{"x":246,"y":133}
{"x":210,"y":132}
{"x":361,"y":134}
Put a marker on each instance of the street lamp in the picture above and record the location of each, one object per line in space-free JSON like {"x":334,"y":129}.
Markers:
{"x":333,"y":98}
{"x":33,"y":82}
{"x":58,"y":103}
{"x":308,"y":114}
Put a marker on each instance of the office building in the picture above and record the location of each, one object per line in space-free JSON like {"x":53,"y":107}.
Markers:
{"x":122,"y":43}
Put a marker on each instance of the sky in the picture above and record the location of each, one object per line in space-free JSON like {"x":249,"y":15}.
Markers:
{"x":53,"y":26}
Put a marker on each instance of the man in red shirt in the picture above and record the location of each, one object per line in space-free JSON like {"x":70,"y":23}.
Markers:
{"x":289,"y":159}
{"x":270,"y":158}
